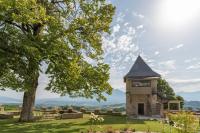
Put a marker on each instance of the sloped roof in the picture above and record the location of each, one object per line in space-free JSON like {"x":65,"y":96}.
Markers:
{"x":140,"y":70}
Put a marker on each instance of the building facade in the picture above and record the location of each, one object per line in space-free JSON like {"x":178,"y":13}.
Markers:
{"x":142,"y":97}
{"x":141,"y":90}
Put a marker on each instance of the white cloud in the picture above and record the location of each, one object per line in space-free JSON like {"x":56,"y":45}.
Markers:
{"x":190,"y":60}
{"x":116,"y":28}
{"x":120,"y":49}
{"x":180,"y":46}
{"x":124,"y":40}
{"x":120,"y":17}
{"x":163,"y":67}
{"x":140,"y":27}
{"x":169,"y":64}
{"x":12,"y":94}
{"x":40,"y":93}
{"x":195,"y":66}
{"x":146,"y":58}
{"x":117,"y":79}
{"x":195,"y":63}
{"x":131,"y":31}
{"x":184,"y":81}
{"x":136,"y":14}
{"x":187,"y":61}
{"x":188,"y":88}
{"x":185,"y":85}
{"x":176,"y":47}
{"x":163,"y":73}
{"x":156,"y":53}
{"x":125,"y":24}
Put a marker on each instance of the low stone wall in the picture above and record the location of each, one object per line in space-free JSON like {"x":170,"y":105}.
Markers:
{"x":6,"y":116}
{"x":112,"y":113}
{"x":74,"y":115}
{"x":1,"y":109}
{"x":14,"y":113}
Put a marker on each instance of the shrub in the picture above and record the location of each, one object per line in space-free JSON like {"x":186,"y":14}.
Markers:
{"x":95,"y":121}
{"x":185,"y":122}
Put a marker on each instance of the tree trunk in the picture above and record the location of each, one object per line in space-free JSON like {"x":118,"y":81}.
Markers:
{"x":29,"y":102}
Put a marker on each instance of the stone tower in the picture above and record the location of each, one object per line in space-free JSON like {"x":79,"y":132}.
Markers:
{"x":141,"y":90}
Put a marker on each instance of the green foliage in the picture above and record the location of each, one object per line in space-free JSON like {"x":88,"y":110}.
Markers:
{"x":58,"y":38}
{"x":186,"y":122}
{"x":180,"y":98}
{"x":10,"y":107}
{"x":78,"y":125}
{"x":165,"y":90}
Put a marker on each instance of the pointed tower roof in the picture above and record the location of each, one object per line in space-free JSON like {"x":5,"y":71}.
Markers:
{"x":141,"y":70}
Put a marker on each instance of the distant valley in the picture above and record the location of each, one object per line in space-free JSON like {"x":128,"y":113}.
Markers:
{"x":117,"y":98}
{"x":190,"y":96}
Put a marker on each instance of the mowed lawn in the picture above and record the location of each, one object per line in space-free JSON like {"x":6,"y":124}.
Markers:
{"x":78,"y":125}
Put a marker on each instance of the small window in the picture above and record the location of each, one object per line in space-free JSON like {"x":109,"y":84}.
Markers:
{"x":165,"y":106}
{"x":174,"y":106}
{"x":142,"y":83}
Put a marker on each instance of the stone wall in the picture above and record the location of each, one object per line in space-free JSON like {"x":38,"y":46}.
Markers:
{"x":72,"y":115}
{"x":134,"y":100}
{"x":141,"y":90}
{"x":1,"y":109}
{"x":6,"y":116}
{"x":146,"y":95}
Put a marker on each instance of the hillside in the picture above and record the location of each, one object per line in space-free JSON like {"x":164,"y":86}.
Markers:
{"x":190,"y":96}
{"x":5,"y":100}
{"x":192,"y":104}
{"x":117,"y":97}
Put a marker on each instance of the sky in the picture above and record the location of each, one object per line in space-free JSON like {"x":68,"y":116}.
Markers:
{"x":164,"y":32}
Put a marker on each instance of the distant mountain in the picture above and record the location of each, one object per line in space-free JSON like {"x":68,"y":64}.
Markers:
{"x":117,"y":97}
{"x":190,"y":96}
{"x":192,"y":104}
{"x":6,"y":100}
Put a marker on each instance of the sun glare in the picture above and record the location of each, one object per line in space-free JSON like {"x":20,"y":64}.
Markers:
{"x":176,"y":13}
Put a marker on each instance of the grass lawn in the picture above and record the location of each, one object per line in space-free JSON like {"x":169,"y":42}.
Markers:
{"x":77,"y":125}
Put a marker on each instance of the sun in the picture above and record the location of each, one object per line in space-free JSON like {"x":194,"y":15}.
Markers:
{"x":176,"y":13}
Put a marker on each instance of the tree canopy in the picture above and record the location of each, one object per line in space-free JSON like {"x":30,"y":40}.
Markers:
{"x":167,"y":92}
{"x":58,"y":38}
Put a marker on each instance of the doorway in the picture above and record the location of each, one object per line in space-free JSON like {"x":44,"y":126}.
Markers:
{"x":140,"y":108}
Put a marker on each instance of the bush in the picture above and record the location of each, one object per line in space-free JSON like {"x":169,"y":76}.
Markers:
{"x":185,"y":122}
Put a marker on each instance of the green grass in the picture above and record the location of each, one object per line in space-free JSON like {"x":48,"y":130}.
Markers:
{"x":77,"y":125}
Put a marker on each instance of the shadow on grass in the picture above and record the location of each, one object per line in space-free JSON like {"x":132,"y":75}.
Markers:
{"x":108,"y":120}
{"x":12,"y":126}
{"x":61,"y":126}
{"x":121,"y":120}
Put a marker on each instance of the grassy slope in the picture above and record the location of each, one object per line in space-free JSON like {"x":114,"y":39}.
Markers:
{"x":77,"y":125}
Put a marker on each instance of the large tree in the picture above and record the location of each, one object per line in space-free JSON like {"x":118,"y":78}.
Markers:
{"x":166,"y":91}
{"x":61,"y":38}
